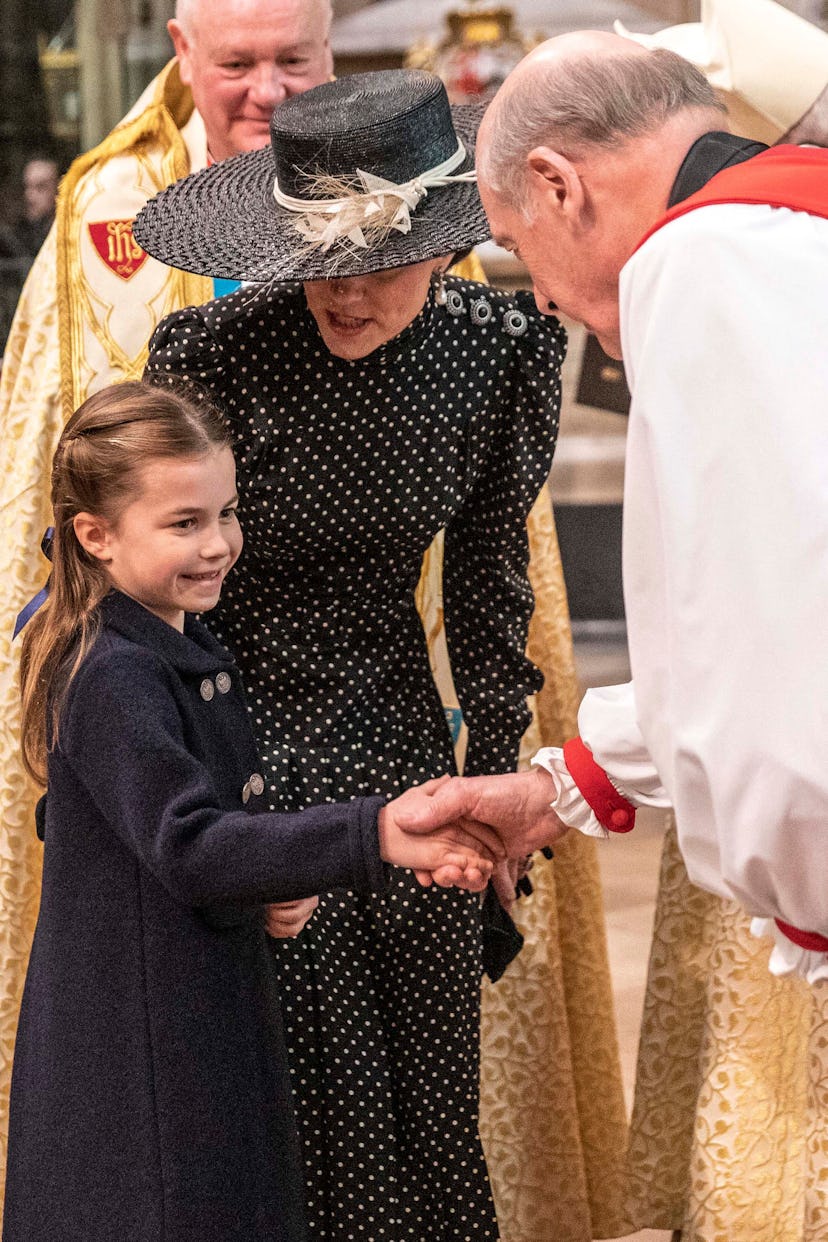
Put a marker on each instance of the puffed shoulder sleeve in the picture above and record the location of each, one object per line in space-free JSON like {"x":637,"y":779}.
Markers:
{"x":123,"y":736}
{"x":487,"y":596}
{"x":184,"y":348}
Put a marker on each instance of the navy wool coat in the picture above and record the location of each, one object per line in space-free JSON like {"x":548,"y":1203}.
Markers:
{"x":150,"y":1095}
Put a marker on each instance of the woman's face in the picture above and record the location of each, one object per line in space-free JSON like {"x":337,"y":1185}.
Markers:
{"x":357,"y":314}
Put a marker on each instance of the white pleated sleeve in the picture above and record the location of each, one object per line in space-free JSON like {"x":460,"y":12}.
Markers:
{"x":607,"y":724}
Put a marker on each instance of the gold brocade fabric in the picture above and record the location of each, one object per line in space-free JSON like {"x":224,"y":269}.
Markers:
{"x":552,"y":1107}
{"x":729,"y":1136}
{"x":552,"y":1111}
{"x":110,"y":293}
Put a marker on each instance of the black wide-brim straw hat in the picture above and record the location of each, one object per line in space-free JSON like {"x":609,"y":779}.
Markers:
{"x":225,"y":222}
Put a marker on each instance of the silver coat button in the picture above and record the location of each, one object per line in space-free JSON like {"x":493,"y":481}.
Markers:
{"x":207,"y":689}
{"x":223,"y":683}
{"x":515,"y":323}
{"x":481,"y":311}
{"x":253,"y":785}
{"x":454,"y":303}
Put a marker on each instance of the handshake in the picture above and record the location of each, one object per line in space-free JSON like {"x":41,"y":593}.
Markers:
{"x":464,"y":831}
{"x":456,"y":831}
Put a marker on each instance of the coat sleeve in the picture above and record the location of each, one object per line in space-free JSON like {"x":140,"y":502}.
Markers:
{"x":487,"y":596}
{"x":122,"y":734}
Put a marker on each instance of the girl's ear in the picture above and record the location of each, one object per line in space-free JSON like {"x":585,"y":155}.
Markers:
{"x":94,"y":535}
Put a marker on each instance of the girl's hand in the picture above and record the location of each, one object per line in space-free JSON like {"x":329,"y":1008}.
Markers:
{"x":286,"y":919}
{"x":449,"y":856}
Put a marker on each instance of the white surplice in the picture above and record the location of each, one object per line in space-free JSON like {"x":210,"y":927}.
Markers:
{"x":724,"y":315}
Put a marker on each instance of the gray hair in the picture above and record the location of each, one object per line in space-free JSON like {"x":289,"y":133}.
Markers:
{"x":586,"y":102}
{"x":185,"y":11}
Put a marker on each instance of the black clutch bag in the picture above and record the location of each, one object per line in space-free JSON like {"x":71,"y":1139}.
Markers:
{"x":501,"y":939}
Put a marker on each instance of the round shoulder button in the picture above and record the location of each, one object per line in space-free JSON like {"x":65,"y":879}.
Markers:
{"x":481,"y":311}
{"x":515,"y":322}
{"x":455,"y":305}
{"x":207,"y":689}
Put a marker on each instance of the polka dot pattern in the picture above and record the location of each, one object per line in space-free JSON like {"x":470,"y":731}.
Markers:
{"x":346,"y":472}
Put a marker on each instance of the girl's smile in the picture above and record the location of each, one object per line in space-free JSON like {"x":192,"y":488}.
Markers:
{"x":172,"y":546}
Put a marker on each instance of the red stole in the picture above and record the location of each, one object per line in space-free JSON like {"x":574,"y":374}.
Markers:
{"x":787,"y":176}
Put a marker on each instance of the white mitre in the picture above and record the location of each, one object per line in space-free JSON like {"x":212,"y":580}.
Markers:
{"x":768,"y":64}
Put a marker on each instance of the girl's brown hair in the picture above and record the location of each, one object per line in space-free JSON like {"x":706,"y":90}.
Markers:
{"x":97,"y":469}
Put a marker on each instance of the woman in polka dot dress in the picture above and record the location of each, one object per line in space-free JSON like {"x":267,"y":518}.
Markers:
{"x":371,"y":409}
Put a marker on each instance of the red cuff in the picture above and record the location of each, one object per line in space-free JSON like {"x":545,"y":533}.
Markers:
{"x":610,"y":808}
{"x":805,"y":939}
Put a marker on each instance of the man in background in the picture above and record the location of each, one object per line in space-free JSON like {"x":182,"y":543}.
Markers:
{"x":23,"y":238}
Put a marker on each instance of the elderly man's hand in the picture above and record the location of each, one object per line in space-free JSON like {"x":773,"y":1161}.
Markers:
{"x":516,"y":805}
{"x":448,"y":856}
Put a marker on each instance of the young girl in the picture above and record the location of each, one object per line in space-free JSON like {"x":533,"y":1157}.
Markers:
{"x":150,"y":1096}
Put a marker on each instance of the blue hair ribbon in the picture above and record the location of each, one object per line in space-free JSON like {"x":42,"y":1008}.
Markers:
{"x":31,"y":608}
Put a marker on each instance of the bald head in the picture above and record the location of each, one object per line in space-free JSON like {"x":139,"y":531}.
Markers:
{"x":576,"y":158}
{"x":584,"y":91}
{"x":187,"y":11}
{"x":577,"y":44}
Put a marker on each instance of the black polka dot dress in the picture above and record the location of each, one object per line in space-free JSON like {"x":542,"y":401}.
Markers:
{"x":346,"y":472}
